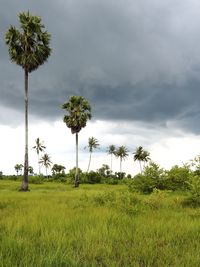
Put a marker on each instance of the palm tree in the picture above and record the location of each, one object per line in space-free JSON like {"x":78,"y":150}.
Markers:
{"x":92,"y":144}
{"x":46,"y":161}
{"x":30,"y":170}
{"x":78,"y":113}
{"x":138,"y":156}
{"x":111,"y":151}
{"x":28,"y":48}
{"x":39,"y":147}
{"x":122,"y":154}
{"x":18,"y":167}
{"x":141,"y":155}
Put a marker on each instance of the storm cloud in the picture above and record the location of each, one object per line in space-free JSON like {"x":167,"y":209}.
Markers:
{"x":134,"y":60}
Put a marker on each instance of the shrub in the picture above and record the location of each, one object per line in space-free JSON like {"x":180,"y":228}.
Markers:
{"x":194,"y":191}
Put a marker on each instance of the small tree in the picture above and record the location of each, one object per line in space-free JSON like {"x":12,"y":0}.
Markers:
{"x":78,"y":113}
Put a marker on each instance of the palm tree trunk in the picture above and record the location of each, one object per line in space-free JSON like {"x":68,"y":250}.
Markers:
{"x":111,"y":165}
{"x":120,"y":167}
{"x":24,"y":186}
{"x":77,"y":174}
{"x":39,"y":164}
{"x":140,"y":166}
{"x":89,"y":162}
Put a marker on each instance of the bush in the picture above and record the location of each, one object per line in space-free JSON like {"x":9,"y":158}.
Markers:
{"x":35,"y":179}
{"x":194,"y":191}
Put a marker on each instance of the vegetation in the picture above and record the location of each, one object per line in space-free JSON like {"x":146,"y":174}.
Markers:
{"x":78,"y":113}
{"x":28,"y":48}
{"x":99,"y":225}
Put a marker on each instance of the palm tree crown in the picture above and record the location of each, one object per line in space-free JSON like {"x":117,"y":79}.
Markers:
{"x":141,"y":155}
{"x":79,"y":112}
{"x":29,"y":47}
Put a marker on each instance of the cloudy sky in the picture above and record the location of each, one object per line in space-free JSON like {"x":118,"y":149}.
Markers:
{"x":136,"y":61}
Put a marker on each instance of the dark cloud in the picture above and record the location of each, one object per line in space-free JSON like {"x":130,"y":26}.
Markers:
{"x":133,"y":60}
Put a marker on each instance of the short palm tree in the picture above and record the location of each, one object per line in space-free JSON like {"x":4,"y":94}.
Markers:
{"x":111,"y":152}
{"x":92,"y":144}
{"x":28,"y":48}
{"x":46,"y":161}
{"x":122,"y":154}
{"x":18,"y":167}
{"x":78,"y":113}
{"x":39,"y":147}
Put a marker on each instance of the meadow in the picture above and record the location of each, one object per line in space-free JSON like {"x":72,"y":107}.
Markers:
{"x":57,"y":225}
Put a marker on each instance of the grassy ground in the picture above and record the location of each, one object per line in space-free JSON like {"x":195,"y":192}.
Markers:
{"x":56,"y":225}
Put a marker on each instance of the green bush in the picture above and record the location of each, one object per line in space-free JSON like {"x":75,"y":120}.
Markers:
{"x":194,"y":192}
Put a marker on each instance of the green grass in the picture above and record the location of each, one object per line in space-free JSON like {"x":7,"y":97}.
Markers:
{"x":57,"y":225}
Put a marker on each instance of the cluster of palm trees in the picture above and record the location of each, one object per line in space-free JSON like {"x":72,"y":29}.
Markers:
{"x":29,"y":47}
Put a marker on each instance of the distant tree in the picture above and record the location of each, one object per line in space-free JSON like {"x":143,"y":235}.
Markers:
{"x":58,"y":169}
{"x":146,"y":157}
{"x":122,"y":154}
{"x":104,"y":171}
{"x":28,"y":48}
{"x":78,"y":113}
{"x":39,"y":147}
{"x":18,"y":168}
{"x":111,"y":152}
{"x":46,"y":161}
{"x":30,"y":170}
{"x":92,"y":144}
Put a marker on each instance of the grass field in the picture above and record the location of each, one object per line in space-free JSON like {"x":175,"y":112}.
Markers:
{"x":57,"y":225}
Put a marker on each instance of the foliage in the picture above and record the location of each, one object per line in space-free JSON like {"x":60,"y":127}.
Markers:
{"x":194,"y":192}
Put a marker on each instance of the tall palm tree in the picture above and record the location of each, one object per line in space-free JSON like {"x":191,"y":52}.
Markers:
{"x":92,"y":144}
{"x":111,"y":152}
{"x":78,"y":113}
{"x":46,"y":161}
{"x":39,"y":147}
{"x":28,"y":48}
{"x":122,"y":154}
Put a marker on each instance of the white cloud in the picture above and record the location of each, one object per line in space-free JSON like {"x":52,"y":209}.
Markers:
{"x":167,"y":147}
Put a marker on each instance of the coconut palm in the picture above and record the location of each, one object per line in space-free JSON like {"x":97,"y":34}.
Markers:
{"x":141,"y":155}
{"x":46,"y":161}
{"x":111,"y":152}
{"x":78,"y":113}
{"x":92,"y":144}
{"x":122,"y":154}
{"x":28,"y":48}
{"x":39,"y":147}
{"x":138,"y":156}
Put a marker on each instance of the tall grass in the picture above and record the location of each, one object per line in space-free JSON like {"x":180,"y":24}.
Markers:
{"x":56,"y":225}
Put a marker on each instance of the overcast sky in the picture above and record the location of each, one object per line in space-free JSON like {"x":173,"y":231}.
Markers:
{"x":136,"y":61}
